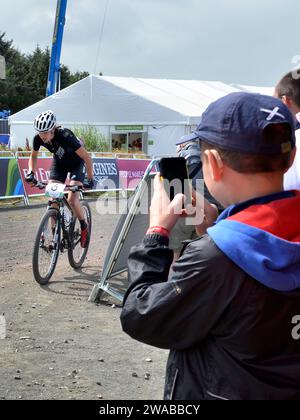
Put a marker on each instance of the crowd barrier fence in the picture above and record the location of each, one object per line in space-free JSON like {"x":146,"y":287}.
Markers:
{"x":110,"y":173}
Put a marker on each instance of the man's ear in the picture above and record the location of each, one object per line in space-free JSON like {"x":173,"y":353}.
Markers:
{"x":288,"y":102}
{"x":215,"y":164}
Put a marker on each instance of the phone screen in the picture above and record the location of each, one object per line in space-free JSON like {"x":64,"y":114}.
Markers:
{"x":174,"y":172}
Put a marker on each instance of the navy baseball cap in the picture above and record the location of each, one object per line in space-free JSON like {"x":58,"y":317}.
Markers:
{"x":187,"y":138}
{"x":236,"y":122}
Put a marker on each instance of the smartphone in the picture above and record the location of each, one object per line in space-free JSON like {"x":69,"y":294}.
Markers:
{"x":174,"y":172}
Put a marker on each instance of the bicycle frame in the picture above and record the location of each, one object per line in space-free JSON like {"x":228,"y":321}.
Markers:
{"x":60,"y":203}
{"x":65,"y":235}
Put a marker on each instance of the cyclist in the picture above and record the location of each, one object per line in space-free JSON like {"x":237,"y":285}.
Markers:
{"x":69,"y":156}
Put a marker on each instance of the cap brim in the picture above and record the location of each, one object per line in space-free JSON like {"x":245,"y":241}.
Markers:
{"x":186,"y":138}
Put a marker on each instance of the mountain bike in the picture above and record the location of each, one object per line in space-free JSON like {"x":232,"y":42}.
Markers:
{"x":59,"y":230}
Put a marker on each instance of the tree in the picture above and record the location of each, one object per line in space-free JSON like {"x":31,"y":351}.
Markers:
{"x":10,"y":88}
{"x":38,"y":65}
{"x":26,"y":76}
{"x":67,"y":78}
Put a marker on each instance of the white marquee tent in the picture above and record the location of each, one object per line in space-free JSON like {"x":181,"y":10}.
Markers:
{"x":158,"y":110}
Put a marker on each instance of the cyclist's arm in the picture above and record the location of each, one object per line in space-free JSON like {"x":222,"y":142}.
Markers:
{"x":81,"y":152}
{"x":32,"y":164}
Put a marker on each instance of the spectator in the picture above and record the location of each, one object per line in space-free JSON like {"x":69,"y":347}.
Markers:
{"x":288,"y":90}
{"x":227,"y":310}
{"x":137,"y":144}
{"x":190,"y":150}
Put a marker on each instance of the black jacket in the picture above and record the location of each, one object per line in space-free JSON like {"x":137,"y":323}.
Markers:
{"x":64,"y":146}
{"x":230,"y":337}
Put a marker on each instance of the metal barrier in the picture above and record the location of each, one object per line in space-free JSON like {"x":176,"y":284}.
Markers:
{"x":131,"y":156}
{"x":120,"y":155}
{"x":27,"y":153}
{"x":21,"y":156}
{"x":5,"y":153}
{"x":102,"y":154}
{"x":130,"y":229}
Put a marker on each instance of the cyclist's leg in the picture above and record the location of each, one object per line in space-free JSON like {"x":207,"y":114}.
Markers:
{"x":73,"y":200}
{"x":57,"y":176}
{"x":78,"y":210}
{"x":77,"y":177}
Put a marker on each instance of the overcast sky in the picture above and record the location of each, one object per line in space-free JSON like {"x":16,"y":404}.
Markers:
{"x":235,"y":41}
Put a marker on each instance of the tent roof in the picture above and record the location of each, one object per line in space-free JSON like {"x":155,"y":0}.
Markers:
{"x":115,"y":100}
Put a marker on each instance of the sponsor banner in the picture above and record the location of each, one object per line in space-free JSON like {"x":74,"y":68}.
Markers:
{"x":10,"y":180}
{"x":106,"y":174}
{"x":109,"y":174}
{"x":42,"y":174}
{"x":131,"y":171}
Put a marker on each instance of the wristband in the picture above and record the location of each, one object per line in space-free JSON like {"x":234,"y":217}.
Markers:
{"x":159,"y":230}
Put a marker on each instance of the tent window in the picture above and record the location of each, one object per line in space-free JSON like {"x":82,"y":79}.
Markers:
{"x":135,"y":142}
{"x":119,"y":143}
{"x":128,"y":143}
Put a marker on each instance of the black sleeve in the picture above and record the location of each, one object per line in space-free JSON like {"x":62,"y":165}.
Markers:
{"x":179,"y":311}
{"x":70,"y":140}
{"x":36,"y":143}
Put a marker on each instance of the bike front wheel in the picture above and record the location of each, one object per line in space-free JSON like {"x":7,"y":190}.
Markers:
{"x":46,"y":247}
{"x":76,"y":253}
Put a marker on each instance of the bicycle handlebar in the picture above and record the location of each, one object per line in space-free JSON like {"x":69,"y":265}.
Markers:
{"x":74,"y":188}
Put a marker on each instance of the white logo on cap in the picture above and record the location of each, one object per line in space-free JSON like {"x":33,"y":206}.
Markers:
{"x":272,"y":113}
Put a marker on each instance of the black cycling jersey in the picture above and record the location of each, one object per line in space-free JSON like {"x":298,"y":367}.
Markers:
{"x":63,"y":146}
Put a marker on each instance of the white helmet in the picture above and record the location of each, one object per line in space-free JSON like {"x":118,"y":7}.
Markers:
{"x":45,"y":121}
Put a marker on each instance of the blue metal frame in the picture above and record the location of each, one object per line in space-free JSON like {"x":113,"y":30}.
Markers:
{"x":54,"y":67}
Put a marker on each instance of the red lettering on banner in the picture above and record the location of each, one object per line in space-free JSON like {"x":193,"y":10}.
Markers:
{"x":42,"y":174}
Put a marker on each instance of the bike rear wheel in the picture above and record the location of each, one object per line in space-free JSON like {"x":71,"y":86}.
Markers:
{"x":76,"y":253}
{"x":46,"y":247}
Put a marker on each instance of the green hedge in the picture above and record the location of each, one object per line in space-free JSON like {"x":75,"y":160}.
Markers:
{"x":93,"y":140}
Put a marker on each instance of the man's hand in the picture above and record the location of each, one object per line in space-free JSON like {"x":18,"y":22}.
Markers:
{"x":29,"y":178}
{"x":164,"y":212}
{"x":206,"y":213}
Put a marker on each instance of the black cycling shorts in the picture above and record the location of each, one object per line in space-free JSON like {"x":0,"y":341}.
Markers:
{"x":60,"y":174}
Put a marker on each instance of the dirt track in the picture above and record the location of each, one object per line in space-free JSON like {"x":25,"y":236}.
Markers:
{"x":58,"y":345}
